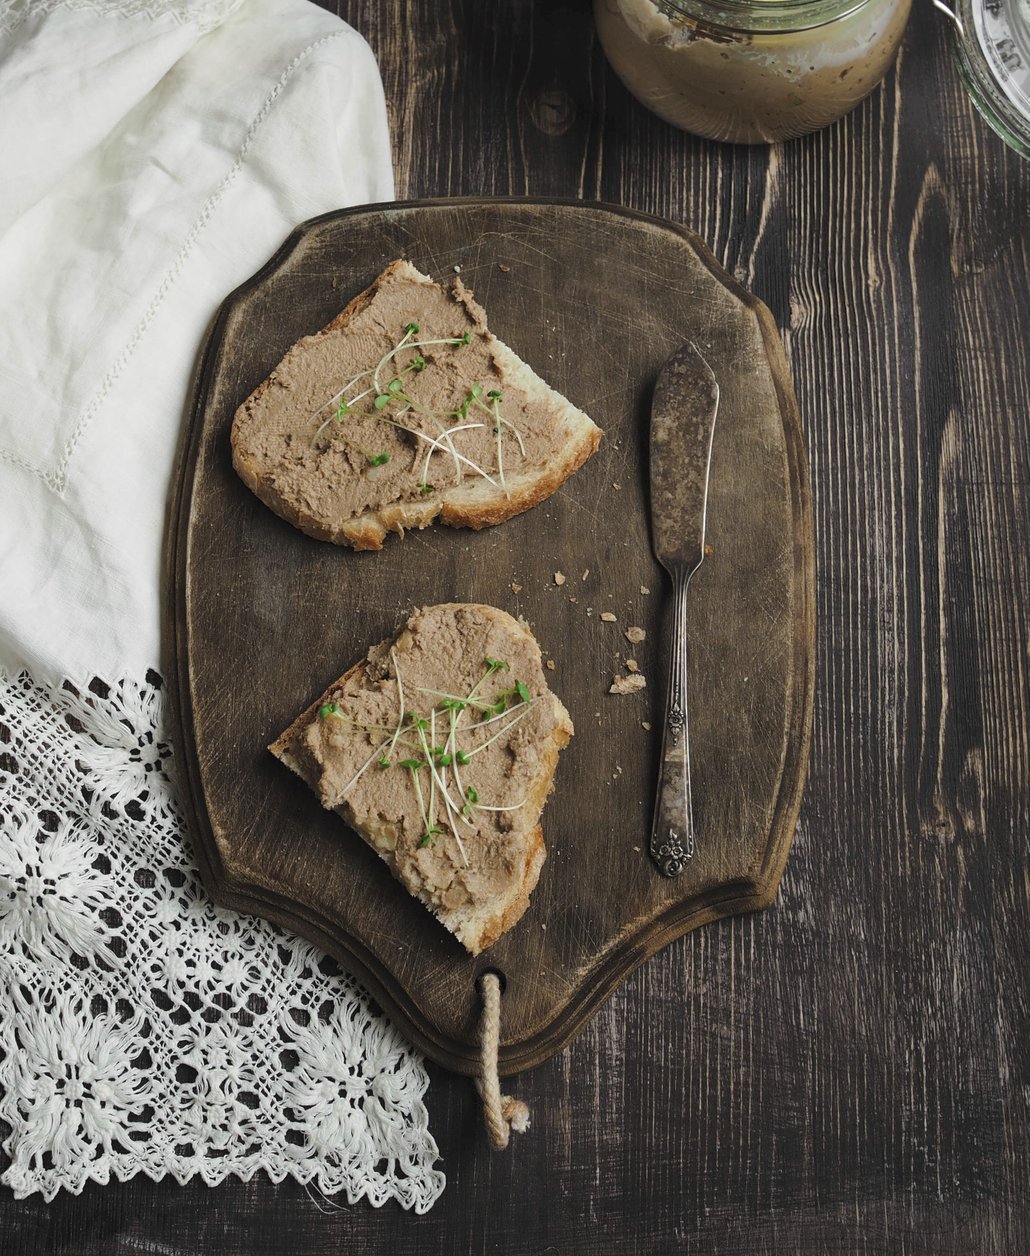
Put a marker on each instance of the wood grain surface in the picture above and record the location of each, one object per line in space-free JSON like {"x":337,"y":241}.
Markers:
{"x":263,"y":617}
{"x":846,"y":1072}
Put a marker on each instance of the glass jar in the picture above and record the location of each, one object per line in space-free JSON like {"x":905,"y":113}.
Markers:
{"x":751,"y":71}
{"x":992,"y":44}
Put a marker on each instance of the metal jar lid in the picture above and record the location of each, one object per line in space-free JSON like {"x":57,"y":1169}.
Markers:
{"x":991,"y":40}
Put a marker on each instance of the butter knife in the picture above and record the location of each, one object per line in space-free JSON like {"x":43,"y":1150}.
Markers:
{"x":683,"y":410}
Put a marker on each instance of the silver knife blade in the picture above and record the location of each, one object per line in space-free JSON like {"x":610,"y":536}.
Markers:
{"x":683,"y":410}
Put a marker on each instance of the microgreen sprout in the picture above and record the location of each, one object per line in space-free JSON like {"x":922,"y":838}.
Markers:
{"x":400,"y":703}
{"x":450,"y":701}
{"x":507,"y":728}
{"x":500,"y":446}
{"x":364,"y":767}
{"x":440,"y":753}
{"x":413,"y":766}
{"x":379,"y":460}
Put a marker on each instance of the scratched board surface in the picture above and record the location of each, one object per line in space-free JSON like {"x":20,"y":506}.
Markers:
{"x":595,"y":301}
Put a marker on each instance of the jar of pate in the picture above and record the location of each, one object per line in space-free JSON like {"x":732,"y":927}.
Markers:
{"x":751,"y":71}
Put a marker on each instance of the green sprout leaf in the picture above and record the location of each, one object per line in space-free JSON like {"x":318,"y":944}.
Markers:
{"x":379,"y":459}
{"x":425,"y":488}
{"x":462,"y":757}
{"x":330,"y":708}
{"x":412,"y":765}
{"x":471,"y":794}
{"x":476,"y":390}
{"x":417,"y":363}
{"x":498,"y":665}
{"x":522,"y":691}
{"x":394,"y":386}
{"x":494,"y":395}
{"x":382,"y":401}
{"x":445,"y":760}
{"x":428,"y":836}
{"x":384,"y":762}
{"x":412,"y":329}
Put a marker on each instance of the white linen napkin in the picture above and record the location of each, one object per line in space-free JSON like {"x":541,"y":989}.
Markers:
{"x":154,"y":154}
{"x":149,"y":168}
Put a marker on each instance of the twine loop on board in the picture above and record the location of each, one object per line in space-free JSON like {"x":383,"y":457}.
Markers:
{"x":501,"y":1113}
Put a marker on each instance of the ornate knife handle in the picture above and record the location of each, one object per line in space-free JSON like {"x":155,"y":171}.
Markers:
{"x":672,"y":835}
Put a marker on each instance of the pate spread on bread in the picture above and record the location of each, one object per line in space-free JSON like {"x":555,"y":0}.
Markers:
{"x":439,"y":748}
{"x":404,"y":410}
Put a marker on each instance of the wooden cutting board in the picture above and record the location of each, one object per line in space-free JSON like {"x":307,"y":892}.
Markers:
{"x":263,"y":618}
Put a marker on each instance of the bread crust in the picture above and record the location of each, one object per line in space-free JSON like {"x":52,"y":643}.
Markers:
{"x":477,"y":930}
{"x":466,"y":505}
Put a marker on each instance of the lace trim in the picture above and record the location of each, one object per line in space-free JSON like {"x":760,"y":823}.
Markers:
{"x":142,"y":1029}
{"x":204,"y":14}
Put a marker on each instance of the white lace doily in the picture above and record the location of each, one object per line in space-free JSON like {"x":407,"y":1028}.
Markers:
{"x":142,"y":1029}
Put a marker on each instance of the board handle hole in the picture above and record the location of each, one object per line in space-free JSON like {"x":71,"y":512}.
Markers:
{"x":502,"y":980}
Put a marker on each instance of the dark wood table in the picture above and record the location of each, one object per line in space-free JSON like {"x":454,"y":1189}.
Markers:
{"x":850,"y":1070}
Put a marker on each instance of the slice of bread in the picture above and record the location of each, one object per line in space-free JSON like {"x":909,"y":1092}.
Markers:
{"x":414,"y":443}
{"x":439,"y":748}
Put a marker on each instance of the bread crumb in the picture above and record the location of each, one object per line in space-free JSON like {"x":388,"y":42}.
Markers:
{"x":637,"y":849}
{"x":635,"y":635}
{"x":457,"y":270}
{"x":543,"y":926}
{"x":516,"y":587}
{"x":585,"y":574}
{"x":573,"y":599}
{"x":501,"y":267}
{"x":708,"y":549}
{"x":632,"y":665}
{"x":645,"y":590}
{"x":617,"y":487}
{"x":627,"y":684}
{"x":550,"y":665}
{"x":608,"y":617}
{"x":559,"y":578}
{"x":645,"y":725}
